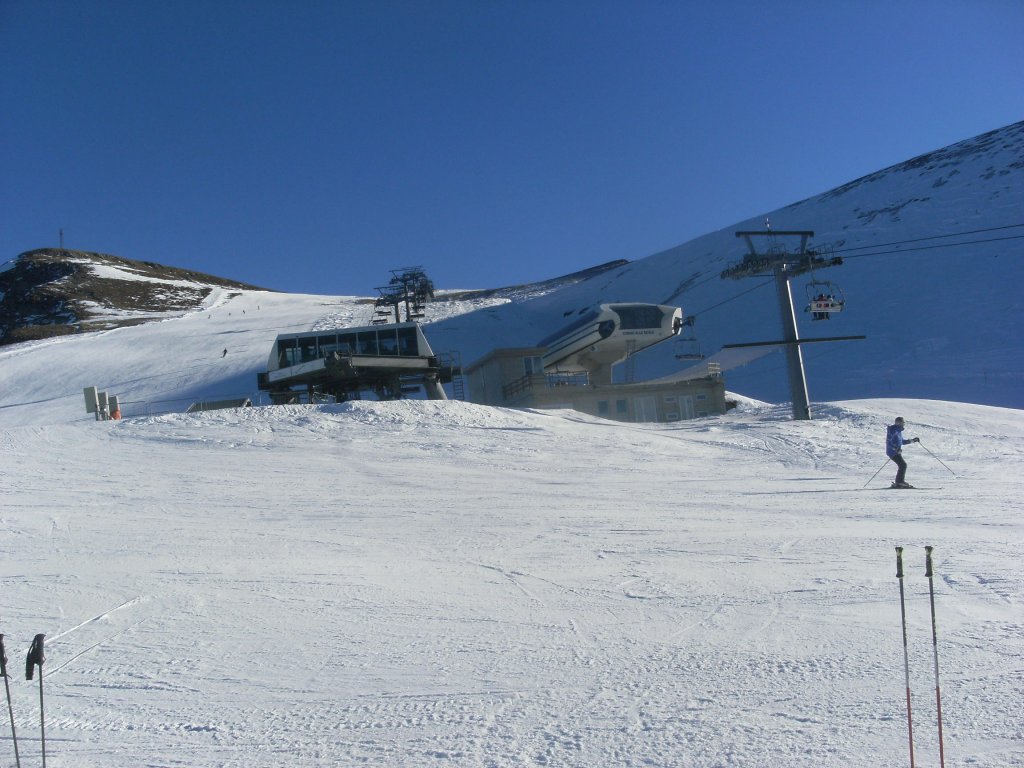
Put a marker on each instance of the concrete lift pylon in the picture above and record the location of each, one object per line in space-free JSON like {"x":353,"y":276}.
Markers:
{"x":779,"y":263}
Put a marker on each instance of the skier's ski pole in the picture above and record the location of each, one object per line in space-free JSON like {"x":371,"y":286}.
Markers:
{"x":37,"y":657}
{"x":10,"y":707}
{"x":876,"y":473}
{"x":935,"y":648}
{"x":906,"y":660}
{"x":937,"y":458}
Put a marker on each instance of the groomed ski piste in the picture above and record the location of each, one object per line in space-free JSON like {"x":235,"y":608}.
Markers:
{"x":440,"y":583}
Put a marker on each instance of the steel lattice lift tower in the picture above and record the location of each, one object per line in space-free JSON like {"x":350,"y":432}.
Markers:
{"x":409,"y":286}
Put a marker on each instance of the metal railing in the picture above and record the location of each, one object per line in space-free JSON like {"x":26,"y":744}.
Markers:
{"x":130,"y":408}
{"x":528,"y":383}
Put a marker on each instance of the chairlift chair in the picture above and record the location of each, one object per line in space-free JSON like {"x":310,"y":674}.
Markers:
{"x":824,"y":299}
{"x":686,"y":345}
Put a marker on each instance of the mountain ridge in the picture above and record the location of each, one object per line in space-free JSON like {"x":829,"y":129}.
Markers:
{"x":937,"y":302}
{"x":50,"y":292}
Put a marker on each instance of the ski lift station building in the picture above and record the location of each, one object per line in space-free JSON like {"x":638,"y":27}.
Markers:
{"x":572,"y":368}
{"x":388,"y":359}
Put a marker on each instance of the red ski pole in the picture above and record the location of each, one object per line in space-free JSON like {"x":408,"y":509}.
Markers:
{"x":935,"y":649}
{"x":906,"y":660}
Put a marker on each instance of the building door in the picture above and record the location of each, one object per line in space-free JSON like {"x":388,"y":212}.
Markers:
{"x":645,"y":409}
{"x":686,"y":406}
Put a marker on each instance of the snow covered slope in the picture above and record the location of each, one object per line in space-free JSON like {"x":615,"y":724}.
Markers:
{"x":423,"y":583}
{"x":932,"y":276}
{"x":210,"y":354}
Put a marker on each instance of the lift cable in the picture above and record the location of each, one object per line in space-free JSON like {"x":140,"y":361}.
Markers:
{"x":934,"y":247}
{"x":878,"y":253}
{"x":930,"y":237}
{"x":769,"y":281}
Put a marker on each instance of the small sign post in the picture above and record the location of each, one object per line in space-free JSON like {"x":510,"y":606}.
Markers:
{"x":92,"y":401}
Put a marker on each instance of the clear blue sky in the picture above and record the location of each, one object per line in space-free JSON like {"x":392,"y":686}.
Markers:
{"x":312,"y":146}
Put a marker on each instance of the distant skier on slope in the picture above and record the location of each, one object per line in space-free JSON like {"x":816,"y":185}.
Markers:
{"x":894,"y":443}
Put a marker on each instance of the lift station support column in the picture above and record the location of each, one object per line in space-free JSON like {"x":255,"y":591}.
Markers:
{"x":794,"y":355}
{"x":783,"y":266}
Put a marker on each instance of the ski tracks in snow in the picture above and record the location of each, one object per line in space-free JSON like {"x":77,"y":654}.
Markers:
{"x":61,"y":645}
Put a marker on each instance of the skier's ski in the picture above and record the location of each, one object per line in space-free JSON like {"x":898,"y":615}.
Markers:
{"x":911,"y":488}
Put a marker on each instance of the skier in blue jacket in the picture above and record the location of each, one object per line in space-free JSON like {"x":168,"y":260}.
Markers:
{"x":894,"y":443}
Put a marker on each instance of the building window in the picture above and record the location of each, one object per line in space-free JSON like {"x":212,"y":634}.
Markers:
{"x":532,"y":365}
{"x":387,"y":342}
{"x":621,"y":407}
{"x":347,"y":343}
{"x":672,"y":416}
{"x":602,"y":407}
{"x":702,"y":397}
{"x":670,"y":398}
{"x":286,"y":355}
{"x":638,"y":316}
{"x":407,"y":346}
{"x":307,"y":349}
{"x":366,"y":342}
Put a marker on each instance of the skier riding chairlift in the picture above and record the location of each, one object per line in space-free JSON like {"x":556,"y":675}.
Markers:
{"x":823,"y":300}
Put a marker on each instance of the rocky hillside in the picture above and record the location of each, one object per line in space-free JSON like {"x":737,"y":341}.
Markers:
{"x":52,"y":292}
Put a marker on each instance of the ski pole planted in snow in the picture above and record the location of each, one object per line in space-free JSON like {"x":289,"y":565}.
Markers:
{"x":937,"y":458}
{"x":876,"y":473}
{"x":906,"y":660}
{"x":10,"y":707}
{"x":36,"y":657}
{"x":935,"y":649}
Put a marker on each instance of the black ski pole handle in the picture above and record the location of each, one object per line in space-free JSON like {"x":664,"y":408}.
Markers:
{"x":928,"y":562}
{"x":35,"y":656}
{"x":899,"y":562}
